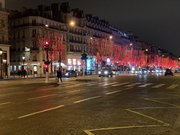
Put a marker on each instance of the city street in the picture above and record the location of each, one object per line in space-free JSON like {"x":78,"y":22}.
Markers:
{"x":122,"y":105}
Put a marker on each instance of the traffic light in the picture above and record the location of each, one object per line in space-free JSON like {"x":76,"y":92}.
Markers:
{"x":46,"y":44}
{"x":84,"y":56}
{"x":46,"y":65}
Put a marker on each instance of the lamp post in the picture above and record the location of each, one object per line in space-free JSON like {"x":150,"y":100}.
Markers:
{"x":23,"y":59}
{"x":5,"y":67}
{"x":23,"y":71}
{"x":46,"y":47}
{"x":146,"y":53}
{"x":70,"y":24}
{"x":1,"y":53}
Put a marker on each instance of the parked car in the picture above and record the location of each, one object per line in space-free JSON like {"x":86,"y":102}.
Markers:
{"x":70,"y":73}
{"x":168,"y":72}
{"x":105,"y":72}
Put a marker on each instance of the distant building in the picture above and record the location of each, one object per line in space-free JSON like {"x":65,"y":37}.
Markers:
{"x":4,"y":42}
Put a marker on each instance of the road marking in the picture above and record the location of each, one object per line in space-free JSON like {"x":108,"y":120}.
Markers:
{"x":73,"y":91}
{"x":42,"y":97}
{"x":109,"y":83}
{"x":131,"y":85}
{"x":76,"y":85}
{"x":86,"y":99}
{"x":120,"y":84}
{"x":113,"y":92}
{"x":109,"y":93}
{"x":155,"y":107}
{"x":89,"y":132}
{"x":145,"y":85}
{"x":39,"y":112}
{"x":5,"y":103}
{"x":158,"y":86}
{"x":166,"y":103}
{"x":147,"y":116}
{"x":173,"y":86}
{"x":92,"y":84}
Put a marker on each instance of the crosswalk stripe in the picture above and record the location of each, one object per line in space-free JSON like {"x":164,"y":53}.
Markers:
{"x":173,"y":86}
{"x":92,"y":84}
{"x":71,"y":86}
{"x":131,"y":85}
{"x":145,"y":85}
{"x":158,"y":86}
{"x":109,"y":93}
{"x":109,"y":83}
{"x":120,"y":84}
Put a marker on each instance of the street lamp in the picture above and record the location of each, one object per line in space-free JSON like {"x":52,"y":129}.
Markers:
{"x":46,"y":47}
{"x":72,"y":23}
{"x":23,"y":71}
{"x":146,"y":53}
{"x":110,"y":37}
{"x":23,"y":58}
{"x":5,"y":69}
{"x":1,"y":53}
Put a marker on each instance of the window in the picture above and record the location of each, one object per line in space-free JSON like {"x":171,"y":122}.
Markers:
{"x":34,"y":45}
{"x":34,"y":22}
{"x":33,"y":33}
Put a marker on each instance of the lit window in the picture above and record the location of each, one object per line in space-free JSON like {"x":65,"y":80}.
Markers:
{"x":74,"y":61}
{"x":69,"y":62}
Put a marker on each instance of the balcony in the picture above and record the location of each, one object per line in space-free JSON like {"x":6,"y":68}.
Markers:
{"x":4,"y":42}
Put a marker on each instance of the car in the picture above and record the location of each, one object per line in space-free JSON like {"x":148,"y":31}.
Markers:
{"x":168,"y":72}
{"x":143,"y":71}
{"x":105,"y":72}
{"x":70,"y":73}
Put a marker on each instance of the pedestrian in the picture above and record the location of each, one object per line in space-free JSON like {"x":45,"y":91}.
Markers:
{"x":59,"y":75}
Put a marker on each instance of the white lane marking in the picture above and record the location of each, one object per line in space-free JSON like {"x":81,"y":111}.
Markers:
{"x":158,"y":86}
{"x":109,"y":93}
{"x":145,"y":85}
{"x":91,"y":84}
{"x":173,"y":86}
{"x":131,"y":85}
{"x":71,"y":86}
{"x":120,"y":84}
{"x":42,"y":97}
{"x":109,"y":83}
{"x":86,"y":99}
{"x":73,"y":91}
{"x":5,"y":103}
{"x":42,"y":111}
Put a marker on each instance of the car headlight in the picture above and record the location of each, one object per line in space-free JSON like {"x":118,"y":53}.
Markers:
{"x":105,"y":72}
{"x":99,"y":72}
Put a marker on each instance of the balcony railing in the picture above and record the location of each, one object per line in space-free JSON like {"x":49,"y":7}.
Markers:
{"x":4,"y":42}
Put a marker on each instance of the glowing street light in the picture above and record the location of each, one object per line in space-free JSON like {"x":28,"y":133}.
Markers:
{"x":72,"y":23}
{"x":46,"y":25}
{"x":110,"y":37}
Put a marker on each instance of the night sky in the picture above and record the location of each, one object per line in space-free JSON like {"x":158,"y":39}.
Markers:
{"x":156,"y":21}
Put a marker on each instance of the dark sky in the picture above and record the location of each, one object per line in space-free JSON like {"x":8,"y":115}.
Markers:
{"x":156,"y":21}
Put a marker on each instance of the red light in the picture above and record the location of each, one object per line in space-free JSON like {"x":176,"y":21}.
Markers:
{"x":46,"y":42}
{"x":46,"y":66}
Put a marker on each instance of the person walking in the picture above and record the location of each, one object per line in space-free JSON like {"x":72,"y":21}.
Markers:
{"x":59,"y":75}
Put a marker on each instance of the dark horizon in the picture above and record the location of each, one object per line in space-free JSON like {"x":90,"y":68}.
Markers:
{"x":153,"y":21}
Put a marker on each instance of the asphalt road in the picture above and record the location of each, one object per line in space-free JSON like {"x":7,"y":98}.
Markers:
{"x":123,"y":105}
